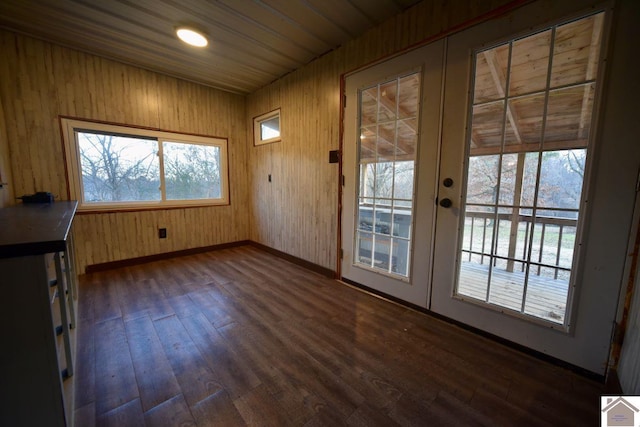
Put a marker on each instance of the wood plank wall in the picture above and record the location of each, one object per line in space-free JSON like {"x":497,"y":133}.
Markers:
{"x":6,"y":191}
{"x":297,"y":212}
{"x":40,"y":81}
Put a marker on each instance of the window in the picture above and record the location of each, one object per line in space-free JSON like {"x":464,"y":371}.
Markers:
{"x":266,"y":128}
{"x":114,"y":167}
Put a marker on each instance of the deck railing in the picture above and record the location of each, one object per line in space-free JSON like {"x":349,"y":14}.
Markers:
{"x":482,"y":223}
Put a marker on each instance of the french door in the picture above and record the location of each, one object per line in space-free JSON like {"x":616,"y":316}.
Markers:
{"x":390,"y":165}
{"x":496,"y":225}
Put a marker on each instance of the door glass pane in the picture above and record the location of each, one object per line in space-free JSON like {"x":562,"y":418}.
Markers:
{"x":476,"y":251}
{"x":483,"y":179}
{"x":384,"y":258}
{"x":576,"y":51}
{"x":524,"y":123}
{"x":569,"y":117}
{"x":561,"y":176}
{"x":482,"y":131}
{"x":529,"y":64}
{"x":490,"y":85}
{"x":387,"y":153}
{"x":388,"y":105}
{"x":526,"y":168}
{"x":364,"y":246}
{"x":400,"y":257}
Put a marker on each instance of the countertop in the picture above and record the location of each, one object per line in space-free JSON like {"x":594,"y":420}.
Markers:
{"x":35,"y":228}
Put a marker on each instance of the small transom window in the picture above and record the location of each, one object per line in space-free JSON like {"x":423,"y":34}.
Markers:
{"x":266,"y":128}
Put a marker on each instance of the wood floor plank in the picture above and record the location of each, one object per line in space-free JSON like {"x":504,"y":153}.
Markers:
{"x":106,"y":294}
{"x":311,"y":377}
{"x":217,"y":410}
{"x":366,"y":416}
{"x":85,"y":378}
{"x":143,"y":297}
{"x":502,"y":412}
{"x":408,"y":411}
{"x":326,"y":416}
{"x":127,"y":415}
{"x":197,"y":381}
{"x":85,"y":416}
{"x":300,"y":405}
{"x":154,"y":377}
{"x":163,"y":274}
{"x":240,"y":337}
{"x":209,"y":262}
{"x":263,"y":356}
{"x":88,"y":295}
{"x":172,"y":413}
{"x":210,"y":307}
{"x":183,"y":305}
{"x":255,"y":299}
{"x":461,"y":377}
{"x":377,"y":391}
{"x":115,"y":382}
{"x":401,"y":376}
{"x":447,"y":407}
{"x":258,"y":407}
{"x":233,"y":369}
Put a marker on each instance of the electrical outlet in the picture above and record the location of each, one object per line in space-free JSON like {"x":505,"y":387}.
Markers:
{"x":162,"y":233}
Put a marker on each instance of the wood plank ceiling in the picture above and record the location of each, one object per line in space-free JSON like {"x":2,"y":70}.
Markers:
{"x":252,"y":42}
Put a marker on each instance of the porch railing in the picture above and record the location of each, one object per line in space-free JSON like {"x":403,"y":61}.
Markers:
{"x":480,"y":223}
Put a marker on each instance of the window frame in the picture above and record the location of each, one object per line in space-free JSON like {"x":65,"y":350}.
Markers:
{"x":257,"y":122}
{"x":69,"y":128}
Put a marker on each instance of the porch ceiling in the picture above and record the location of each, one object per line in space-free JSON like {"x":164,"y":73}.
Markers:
{"x":573,"y":70}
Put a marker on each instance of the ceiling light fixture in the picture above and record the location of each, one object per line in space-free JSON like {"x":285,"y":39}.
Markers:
{"x":191,"y":37}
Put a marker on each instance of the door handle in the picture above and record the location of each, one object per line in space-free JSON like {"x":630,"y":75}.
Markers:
{"x":446,"y":203}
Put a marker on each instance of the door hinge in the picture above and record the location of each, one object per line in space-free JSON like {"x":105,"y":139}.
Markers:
{"x":341,"y":253}
{"x":344,"y":101}
{"x":343,"y":180}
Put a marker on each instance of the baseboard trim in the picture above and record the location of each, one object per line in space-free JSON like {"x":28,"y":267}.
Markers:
{"x":526,"y":350}
{"x":94,"y":268}
{"x":295,"y":260}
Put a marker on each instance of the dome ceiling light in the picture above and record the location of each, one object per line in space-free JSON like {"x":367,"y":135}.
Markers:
{"x":191,"y":37}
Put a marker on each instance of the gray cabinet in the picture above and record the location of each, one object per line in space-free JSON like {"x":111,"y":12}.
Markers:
{"x":38,"y":316}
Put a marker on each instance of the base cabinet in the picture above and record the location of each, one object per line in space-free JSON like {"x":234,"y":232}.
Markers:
{"x":38,"y":334}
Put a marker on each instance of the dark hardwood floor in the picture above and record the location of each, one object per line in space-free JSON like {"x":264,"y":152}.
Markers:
{"x":240,"y":337}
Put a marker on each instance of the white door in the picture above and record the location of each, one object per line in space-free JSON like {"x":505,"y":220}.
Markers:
{"x":390,"y":159}
{"x":517,"y":146}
